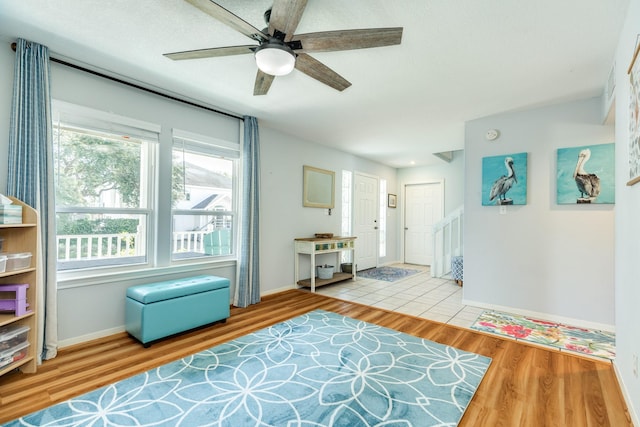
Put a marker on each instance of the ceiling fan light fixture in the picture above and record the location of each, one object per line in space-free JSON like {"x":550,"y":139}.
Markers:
{"x":275,"y":59}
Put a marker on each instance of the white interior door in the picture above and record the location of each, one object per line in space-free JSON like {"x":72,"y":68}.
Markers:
{"x":365,"y":218}
{"x":423,"y":207}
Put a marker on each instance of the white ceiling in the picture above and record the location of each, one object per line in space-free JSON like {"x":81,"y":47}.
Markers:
{"x":459,"y":60}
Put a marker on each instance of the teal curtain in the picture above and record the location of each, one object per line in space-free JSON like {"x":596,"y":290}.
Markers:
{"x":30,"y":172}
{"x":248,"y":275}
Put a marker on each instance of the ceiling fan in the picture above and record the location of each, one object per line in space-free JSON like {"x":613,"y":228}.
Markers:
{"x":279,"y":49}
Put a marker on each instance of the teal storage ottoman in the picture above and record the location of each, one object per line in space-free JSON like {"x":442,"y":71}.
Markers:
{"x":161,"y":309}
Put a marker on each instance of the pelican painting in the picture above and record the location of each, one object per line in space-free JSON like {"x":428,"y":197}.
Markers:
{"x":503,"y":184}
{"x":588,"y":183}
{"x":586,"y":174}
{"x":504,"y":180}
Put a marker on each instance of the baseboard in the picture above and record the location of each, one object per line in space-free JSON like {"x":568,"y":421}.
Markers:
{"x":390,"y":263}
{"x":278,"y":290}
{"x":542,"y":316}
{"x":112,"y":331}
{"x":89,"y":337}
{"x":635,"y":419}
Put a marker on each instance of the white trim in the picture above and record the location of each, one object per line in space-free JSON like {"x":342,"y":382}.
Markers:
{"x":82,"y":111}
{"x":99,"y":210}
{"x":278,"y":290}
{"x":89,"y":337}
{"x":390,"y":263}
{"x":118,"y":329}
{"x":199,"y":138}
{"x":542,"y":316}
{"x":401,"y":206}
{"x":376,"y":209}
{"x":109,"y":276}
{"x":635,"y":418}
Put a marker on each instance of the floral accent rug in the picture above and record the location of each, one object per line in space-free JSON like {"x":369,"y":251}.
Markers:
{"x":319,"y":369}
{"x":388,"y":274}
{"x":574,"y":339}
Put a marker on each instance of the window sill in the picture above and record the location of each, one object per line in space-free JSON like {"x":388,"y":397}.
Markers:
{"x":101,"y":277}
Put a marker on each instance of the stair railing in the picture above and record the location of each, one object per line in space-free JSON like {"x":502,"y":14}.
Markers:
{"x":447,"y":242}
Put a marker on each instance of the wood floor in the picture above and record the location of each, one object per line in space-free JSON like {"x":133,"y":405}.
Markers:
{"x":524,"y":386}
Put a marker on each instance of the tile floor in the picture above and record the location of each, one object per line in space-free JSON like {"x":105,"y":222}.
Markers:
{"x":419,"y":295}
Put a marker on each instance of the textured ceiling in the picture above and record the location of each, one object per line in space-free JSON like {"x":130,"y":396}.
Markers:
{"x":459,"y":60}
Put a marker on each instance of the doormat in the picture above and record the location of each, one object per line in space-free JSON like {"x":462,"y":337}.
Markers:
{"x":590,"y":342}
{"x":388,"y":274}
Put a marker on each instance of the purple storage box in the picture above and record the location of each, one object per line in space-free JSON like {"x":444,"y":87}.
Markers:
{"x":18,"y":304}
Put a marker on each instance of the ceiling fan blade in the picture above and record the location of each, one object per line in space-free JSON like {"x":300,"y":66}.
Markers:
{"x":329,"y":41}
{"x":285,"y":16}
{"x":211,"y":52}
{"x":263,"y":83}
{"x":228,"y":18}
{"x":317,"y":70}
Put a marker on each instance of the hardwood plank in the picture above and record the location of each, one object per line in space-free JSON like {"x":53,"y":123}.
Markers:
{"x":524,"y":386}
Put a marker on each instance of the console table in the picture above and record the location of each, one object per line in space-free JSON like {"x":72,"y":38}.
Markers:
{"x":313,"y":246}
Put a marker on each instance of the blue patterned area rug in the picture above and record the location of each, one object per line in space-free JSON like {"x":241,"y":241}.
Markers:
{"x":319,"y":369}
{"x":388,"y":274}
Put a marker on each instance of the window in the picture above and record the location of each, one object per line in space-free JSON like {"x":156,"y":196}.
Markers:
{"x":383,"y":218}
{"x":103,"y":187}
{"x":203,"y":202}
{"x":125,"y":201}
{"x":346,"y":212}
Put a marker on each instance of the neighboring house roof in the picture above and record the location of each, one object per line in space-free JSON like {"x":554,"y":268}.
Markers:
{"x":205,"y":202}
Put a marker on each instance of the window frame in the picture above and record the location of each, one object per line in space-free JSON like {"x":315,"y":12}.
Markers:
{"x":94,"y":121}
{"x":158,"y":211}
{"x":221,"y":149}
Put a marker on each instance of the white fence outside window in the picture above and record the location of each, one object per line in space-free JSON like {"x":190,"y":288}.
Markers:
{"x":103,"y":246}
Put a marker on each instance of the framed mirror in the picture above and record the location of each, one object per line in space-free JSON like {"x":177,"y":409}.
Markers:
{"x":318,"y":188}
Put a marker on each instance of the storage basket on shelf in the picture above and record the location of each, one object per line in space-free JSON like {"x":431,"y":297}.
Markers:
{"x":10,"y":214}
{"x":18,"y":261}
{"x":13,"y":354}
{"x":325,"y":271}
{"x":347,"y":267}
{"x":12,"y":335}
{"x":13,"y":344}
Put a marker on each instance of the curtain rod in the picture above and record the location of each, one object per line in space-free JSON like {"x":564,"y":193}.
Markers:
{"x":133,"y":85}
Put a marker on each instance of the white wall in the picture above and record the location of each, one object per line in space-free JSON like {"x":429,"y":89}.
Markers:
{"x":282,"y":216}
{"x":627,"y":236}
{"x":555,"y":260}
{"x":451,"y":173}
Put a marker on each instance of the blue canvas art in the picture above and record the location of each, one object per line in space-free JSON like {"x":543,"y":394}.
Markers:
{"x":504,"y":180}
{"x":585,"y":175}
